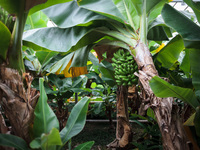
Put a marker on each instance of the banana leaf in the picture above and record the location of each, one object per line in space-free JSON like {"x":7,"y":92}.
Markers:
{"x":85,"y":146}
{"x":163,"y":89}
{"x":183,"y":25}
{"x":13,"y":141}
{"x":76,"y":120}
{"x":70,"y":14}
{"x":45,"y":119}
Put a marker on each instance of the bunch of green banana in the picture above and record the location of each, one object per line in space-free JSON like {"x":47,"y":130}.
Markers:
{"x":124,"y":66}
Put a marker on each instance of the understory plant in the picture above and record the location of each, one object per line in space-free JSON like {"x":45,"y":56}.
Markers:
{"x":45,"y":131}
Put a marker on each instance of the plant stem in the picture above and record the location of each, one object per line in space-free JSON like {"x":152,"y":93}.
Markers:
{"x":70,"y":144}
{"x":143,"y":25}
{"x":15,"y":52}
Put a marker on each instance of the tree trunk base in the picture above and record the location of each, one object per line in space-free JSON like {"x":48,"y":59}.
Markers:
{"x":165,"y":111}
{"x":124,"y":132}
{"x":17,"y":103}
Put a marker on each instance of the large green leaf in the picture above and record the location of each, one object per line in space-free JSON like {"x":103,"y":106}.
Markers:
{"x":70,"y":14}
{"x":36,"y":20}
{"x":45,"y":5}
{"x":13,"y":141}
{"x":5,"y":37}
{"x":76,"y":120}
{"x":61,"y":40}
{"x":170,"y":53}
{"x":195,"y":67}
{"x":183,"y":25}
{"x":155,"y":12}
{"x":49,"y":141}
{"x":195,"y":7}
{"x":138,"y":4}
{"x":126,"y":7}
{"x":103,"y":7}
{"x":162,"y":88}
{"x":45,"y":119}
{"x":154,"y":4}
{"x":85,"y":146}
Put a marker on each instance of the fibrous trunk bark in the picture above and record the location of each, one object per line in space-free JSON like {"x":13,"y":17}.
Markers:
{"x":17,"y":103}
{"x":166,"y":111}
{"x":123,"y":131}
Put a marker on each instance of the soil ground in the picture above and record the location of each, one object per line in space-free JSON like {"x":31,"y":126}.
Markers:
{"x":101,"y":134}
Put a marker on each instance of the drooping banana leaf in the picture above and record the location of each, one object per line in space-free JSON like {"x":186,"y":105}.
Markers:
{"x":70,"y":14}
{"x":170,"y":53}
{"x":45,"y":5}
{"x":183,"y":25}
{"x":60,"y":40}
{"x":162,"y":88}
{"x":104,"y":7}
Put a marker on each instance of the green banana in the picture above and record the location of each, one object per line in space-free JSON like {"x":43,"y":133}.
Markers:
{"x":124,"y":67}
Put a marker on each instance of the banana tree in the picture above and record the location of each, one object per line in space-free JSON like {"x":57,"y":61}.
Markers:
{"x":17,"y":103}
{"x":190,"y":64}
{"x":123,"y":24}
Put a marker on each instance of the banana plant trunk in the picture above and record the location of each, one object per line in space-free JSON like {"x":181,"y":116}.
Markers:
{"x":18,"y":104}
{"x":166,"y":111}
{"x":124,"y":132}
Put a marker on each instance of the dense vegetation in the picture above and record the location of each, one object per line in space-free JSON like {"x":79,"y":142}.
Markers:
{"x":103,"y":59}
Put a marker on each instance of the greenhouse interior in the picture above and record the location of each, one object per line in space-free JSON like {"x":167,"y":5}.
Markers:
{"x":99,"y":75}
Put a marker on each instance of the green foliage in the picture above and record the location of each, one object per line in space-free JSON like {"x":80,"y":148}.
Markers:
{"x":47,"y":141}
{"x":85,"y":146}
{"x":48,"y":3}
{"x":151,"y":137}
{"x":13,"y":141}
{"x":70,"y":14}
{"x":183,"y":25}
{"x":169,"y":55}
{"x":45,"y":119}
{"x":162,"y":88}
{"x":50,"y":37}
{"x":76,"y":120}
{"x":46,"y":131}
{"x":36,"y":20}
